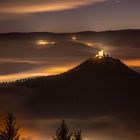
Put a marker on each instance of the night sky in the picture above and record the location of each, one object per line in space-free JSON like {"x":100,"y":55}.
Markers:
{"x":68,"y":15}
{"x":39,"y":55}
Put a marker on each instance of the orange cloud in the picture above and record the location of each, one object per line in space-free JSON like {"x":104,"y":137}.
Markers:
{"x":44,"y":6}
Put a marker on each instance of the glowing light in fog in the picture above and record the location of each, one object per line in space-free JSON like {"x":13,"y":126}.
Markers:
{"x":74,"y":38}
{"x":100,"y":54}
{"x":44,"y":42}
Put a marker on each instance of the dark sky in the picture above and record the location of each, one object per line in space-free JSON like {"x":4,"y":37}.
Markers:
{"x":68,"y":15}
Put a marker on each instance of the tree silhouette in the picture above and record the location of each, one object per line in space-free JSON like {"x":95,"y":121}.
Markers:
{"x":63,"y":132}
{"x":78,"y":135}
{"x":11,"y":131}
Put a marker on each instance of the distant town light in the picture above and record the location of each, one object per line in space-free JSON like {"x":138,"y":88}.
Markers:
{"x":74,"y":38}
{"x":89,"y":44}
{"x":52,"y":42}
{"x":44,"y":42}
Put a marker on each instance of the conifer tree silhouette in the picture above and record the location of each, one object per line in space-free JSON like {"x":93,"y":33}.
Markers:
{"x":78,"y":135}
{"x":63,"y":132}
{"x":11,"y":131}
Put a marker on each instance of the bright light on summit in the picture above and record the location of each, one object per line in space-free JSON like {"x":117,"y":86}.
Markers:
{"x":100,"y":54}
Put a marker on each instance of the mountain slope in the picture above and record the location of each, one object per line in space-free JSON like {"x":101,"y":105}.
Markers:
{"x":97,"y":87}
{"x":106,"y":66}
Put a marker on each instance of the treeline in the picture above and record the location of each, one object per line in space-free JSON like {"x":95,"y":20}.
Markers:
{"x":11,"y":131}
{"x":63,"y":133}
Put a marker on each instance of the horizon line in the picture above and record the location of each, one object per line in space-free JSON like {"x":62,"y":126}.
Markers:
{"x":69,"y":32}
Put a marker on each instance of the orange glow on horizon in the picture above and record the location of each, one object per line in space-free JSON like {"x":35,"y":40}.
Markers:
{"x":132,"y":63}
{"x":36,"y":73}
